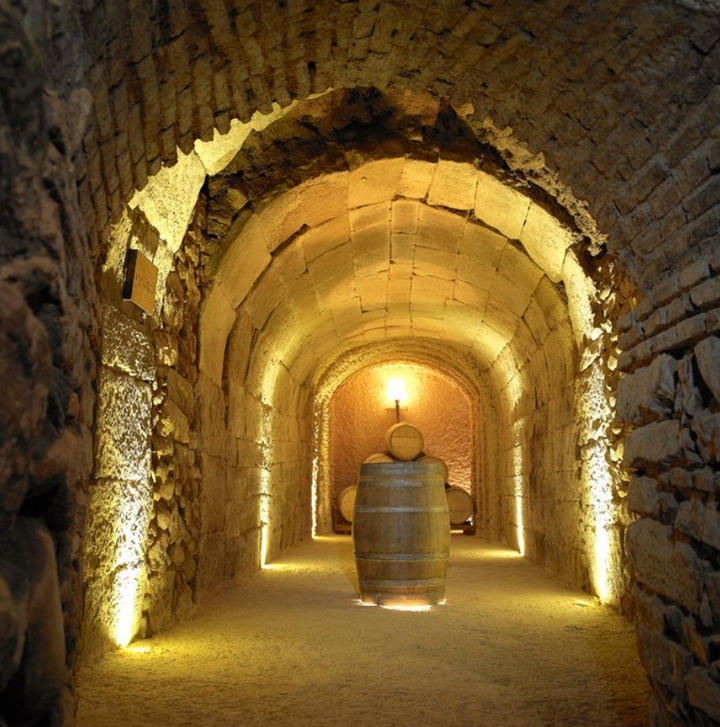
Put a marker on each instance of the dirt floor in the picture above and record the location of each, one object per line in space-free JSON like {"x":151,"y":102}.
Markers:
{"x":292,"y":646}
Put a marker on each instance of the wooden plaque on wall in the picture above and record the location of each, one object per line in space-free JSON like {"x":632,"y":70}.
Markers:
{"x":140,"y":281}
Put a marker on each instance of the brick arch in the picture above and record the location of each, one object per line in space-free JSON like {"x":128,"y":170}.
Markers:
{"x":544,"y":76}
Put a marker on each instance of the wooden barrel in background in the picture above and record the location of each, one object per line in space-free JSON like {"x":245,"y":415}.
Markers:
{"x":460,"y":505}
{"x":346,"y":502}
{"x":401,"y":534}
{"x":378,"y":457}
{"x":404,"y":441}
{"x":430,"y":458}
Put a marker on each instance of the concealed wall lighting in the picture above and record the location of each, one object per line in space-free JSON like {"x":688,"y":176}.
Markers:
{"x":396,"y":393}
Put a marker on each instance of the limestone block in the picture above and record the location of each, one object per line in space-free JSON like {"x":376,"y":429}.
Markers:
{"x":647,"y":393}
{"x":244,"y":258}
{"x":440,"y":229}
{"x":453,"y":185}
{"x":434,"y":261}
{"x":470,"y":295}
{"x":669,"y":568}
{"x":500,"y":317}
{"x":126,"y":346}
{"x":370,"y":216}
{"x":643,"y":496}
{"x":212,"y":415}
{"x":404,"y":216}
{"x":212,"y":495}
{"x":290,"y":261}
{"x":374,"y":182}
{"x":429,"y":293}
{"x":236,"y":409}
{"x":700,"y":521}
{"x":39,"y":677}
{"x":319,"y":240}
{"x":217,"y":317}
{"x":707,"y":353}
{"x":123,"y":427}
{"x":476,"y":272}
{"x":415,"y":180}
{"x":650,"y":609}
{"x":666,"y":662}
{"x":703,"y":692}
{"x":660,"y":443}
{"x":169,"y":198}
{"x":323,"y":199}
{"x":402,"y":251}
{"x":373,"y":295}
{"x":706,"y":426}
{"x":546,"y":241}
{"x":180,"y":391}
{"x":550,"y":303}
{"x":371,"y":248}
{"x":500,"y":206}
{"x":173,"y":423}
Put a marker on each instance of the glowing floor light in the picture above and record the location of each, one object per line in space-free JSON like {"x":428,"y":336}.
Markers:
{"x":597,"y":479}
{"x":520,"y":525}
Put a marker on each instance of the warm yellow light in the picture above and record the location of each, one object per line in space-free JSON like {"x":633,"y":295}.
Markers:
{"x":129,"y":594}
{"x":402,"y":605}
{"x":597,"y":479}
{"x":396,"y":390}
{"x":518,"y":477}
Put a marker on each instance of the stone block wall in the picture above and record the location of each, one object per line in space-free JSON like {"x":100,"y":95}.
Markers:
{"x":48,"y":329}
{"x":669,"y":402}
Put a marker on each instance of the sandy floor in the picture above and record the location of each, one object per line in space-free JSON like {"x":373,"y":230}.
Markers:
{"x":511,"y":647}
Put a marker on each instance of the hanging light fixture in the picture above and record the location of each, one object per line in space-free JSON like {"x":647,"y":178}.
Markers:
{"x":396,"y":392}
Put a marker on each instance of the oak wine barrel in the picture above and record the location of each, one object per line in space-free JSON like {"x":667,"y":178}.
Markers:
{"x":460,"y":505}
{"x":346,"y":502}
{"x":378,"y":457}
{"x":430,"y":458}
{"x":404,"y":441}
{"x":401,"y":534}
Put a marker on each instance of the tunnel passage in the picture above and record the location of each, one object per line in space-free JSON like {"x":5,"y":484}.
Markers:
{"x":602,"y":116}
{"x":362,"y":409}
{"x":308,"y":274}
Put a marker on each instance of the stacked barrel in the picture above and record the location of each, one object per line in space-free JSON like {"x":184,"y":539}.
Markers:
{"x":401,"y":532}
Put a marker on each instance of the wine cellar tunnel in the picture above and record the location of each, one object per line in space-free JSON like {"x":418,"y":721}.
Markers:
{"x":217,"y":216}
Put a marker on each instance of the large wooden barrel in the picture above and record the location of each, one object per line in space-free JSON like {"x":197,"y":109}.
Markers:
{"x":401,"y":534}
{"x":430,"y":458}
{"x":346,"y":502}
{"x":404,"y":441}
{"x":378,"y":457}
{"x":460,"y":505}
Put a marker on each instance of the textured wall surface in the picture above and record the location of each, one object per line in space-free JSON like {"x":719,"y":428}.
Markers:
{"x":360,"y":415}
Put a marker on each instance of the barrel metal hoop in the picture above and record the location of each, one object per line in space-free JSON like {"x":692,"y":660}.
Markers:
{"x":440,"y":555}
{"x":434,"y":508}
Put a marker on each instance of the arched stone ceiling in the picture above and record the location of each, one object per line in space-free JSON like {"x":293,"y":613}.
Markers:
{"x":393,"y":250}
{"x":608,"y":115}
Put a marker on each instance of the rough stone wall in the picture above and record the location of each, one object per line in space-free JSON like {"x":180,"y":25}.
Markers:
{"x":174,"y":535}
{"x":669,"y":401}
{"x":48,"y":318}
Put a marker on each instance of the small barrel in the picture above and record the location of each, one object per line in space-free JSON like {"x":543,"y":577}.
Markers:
{"x":378,"y":457}
{"x":401,"y":534}
{"x":430,"y":458}
{"x":346,"y":502}
{"x":404,"y":441}
{"x":460,"y":505}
